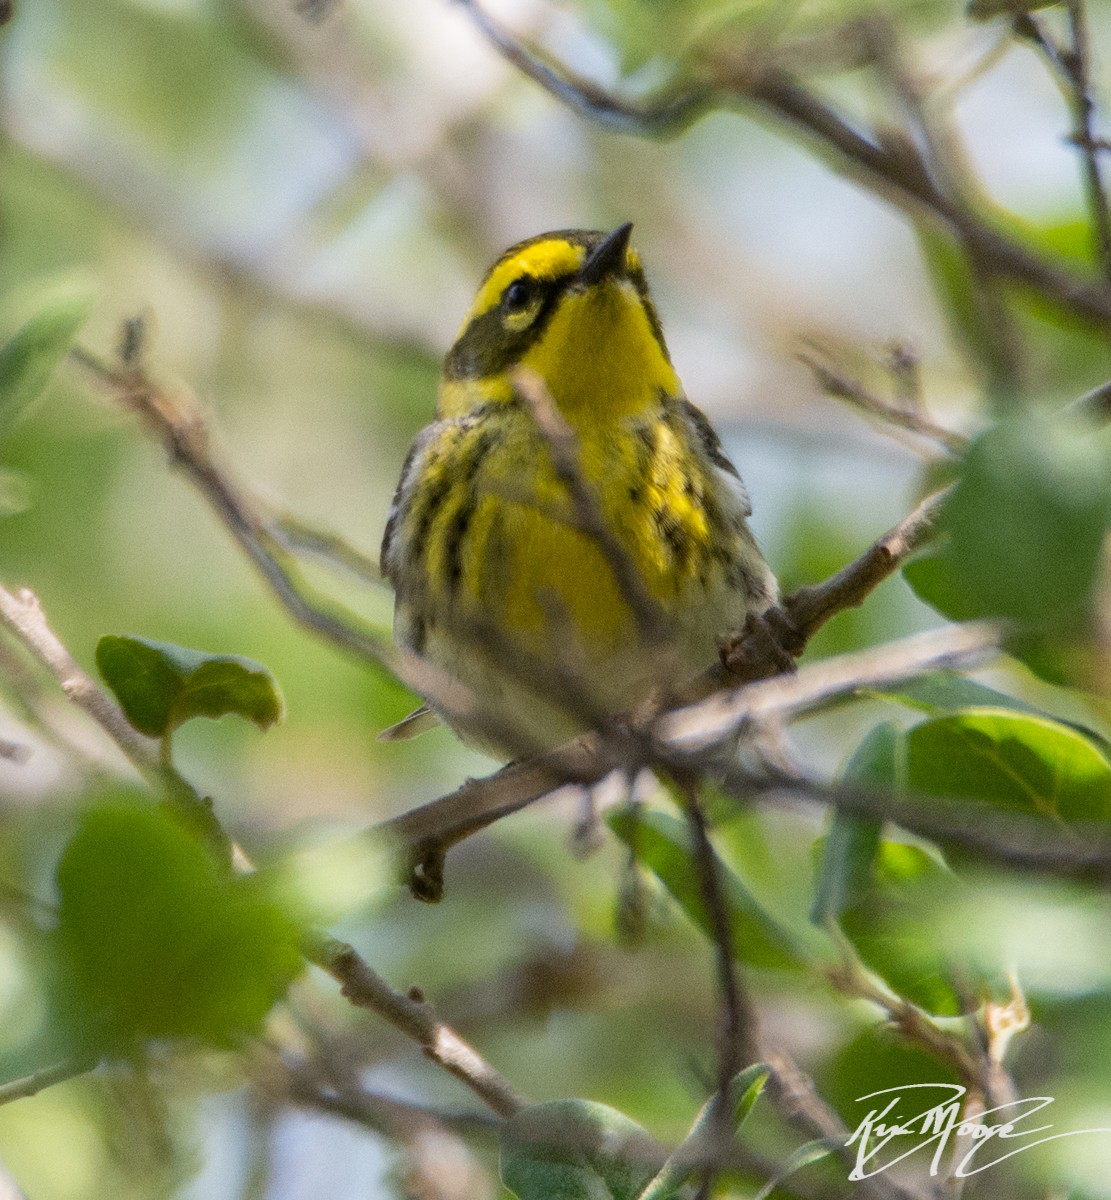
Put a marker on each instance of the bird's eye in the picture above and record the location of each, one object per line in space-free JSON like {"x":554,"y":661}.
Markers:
{"x":520,"y":294}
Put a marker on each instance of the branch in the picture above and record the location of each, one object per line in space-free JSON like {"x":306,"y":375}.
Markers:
{"x":895,"y":170}
{"x":834,"y":383}
{"x":176,"y":421}
{"x":415,"y":1018}
{"x":307,"y":1084}
{"x":30,"y":1085}
{"x":705,"y":726}
{"x":1006,"y":837}
{"x":1071,"y":69}
{"x":794,"y":1095}
{"x":737,"y":1036}
{"x":23,"y":617}
{"x":811,"y":607}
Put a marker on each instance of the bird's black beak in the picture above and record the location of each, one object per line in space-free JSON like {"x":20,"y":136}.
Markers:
{"x":608,"y":257}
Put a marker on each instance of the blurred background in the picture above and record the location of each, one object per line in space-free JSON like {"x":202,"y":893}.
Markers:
{"x":301,"y":209}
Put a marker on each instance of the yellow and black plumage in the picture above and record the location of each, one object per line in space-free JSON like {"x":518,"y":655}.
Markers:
{"x":481,"y":534}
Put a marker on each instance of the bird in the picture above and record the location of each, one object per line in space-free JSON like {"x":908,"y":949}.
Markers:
{"x":568,"y":540}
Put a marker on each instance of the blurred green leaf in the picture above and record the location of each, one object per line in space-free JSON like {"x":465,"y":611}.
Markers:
{"x":1027,"y":520}
{"x":875,"y":1058}
{"x":157,"y":940}
{"x":576,"y":1150}
{"x":947,"y":691}
{"x":1013,"y":760}
{"x":161,"y":686}
{"x":849,"y":850}
{"x":662,"y":843}
{"x":931,"y":577}
{"x":744,"y":1091}
{"x":881,"y":892}
{"x":890,"y":923}
{"x":1018,"y":761}
{"x":16,"y":491}
{"x":28,"y":358}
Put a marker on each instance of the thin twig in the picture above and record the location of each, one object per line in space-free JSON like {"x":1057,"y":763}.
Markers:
{"x":23,"y":617}
{"x":1084,"y":108}
{"x":30,"y":1085}
{"x":1071,"y":69}
{"x":297,"y":536}
{"x":304,"y":1085}
{"x":793,"y":1093}
{"x":709,"y":723}
{"x":1025,"y":842}
{"x":889,"y":170}
{"x":737,"y":1035}
{"x":834,"y":383}
{"x":810,"y":608}
{"x":414,"y":1017}
{"x":176,"y":420}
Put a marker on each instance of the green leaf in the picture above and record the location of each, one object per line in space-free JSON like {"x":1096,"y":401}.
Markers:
{"x":576,"y":1150}
{"x":932,"y":580}
{"x":1027,"y":520}
{"x":890,"y":924}
{"x":849,"y":849}
{"x":161,"y":686}
{"x":29,"y":357}
{"x":804,"y":1156}
{"x":744,"y":1091}
{"x":1013,"y":760}
{"x":157,"y":939}
{"x":874,"y":888}
{"x":948,"y":692}
{"x":662,"y":843}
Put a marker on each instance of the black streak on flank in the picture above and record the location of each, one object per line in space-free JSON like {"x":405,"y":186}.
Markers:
{"x":460,"y":523}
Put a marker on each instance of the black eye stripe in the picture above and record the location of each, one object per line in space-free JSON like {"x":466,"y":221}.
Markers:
{"x":486,"y":346}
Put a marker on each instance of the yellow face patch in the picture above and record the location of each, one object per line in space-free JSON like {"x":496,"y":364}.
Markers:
{"x":549,"y":259}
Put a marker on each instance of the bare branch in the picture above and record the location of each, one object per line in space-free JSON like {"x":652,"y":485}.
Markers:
{"x":895,"y":170}
{"x":1032,"y":843}
{"x":811,"y":607}
{"x":296,"y":536}
{"x":415,"y":1018}
{"x":177,"y":422}
{"x":305,"y":1084}
{"x":23,"y":617}
{"x":30,"y":1085}
{"x":835,"y":383}
{"x":707,"y":724}
{"x":793,"y":1093}
{"x":681,"y":739}
{"x":737,"y":1036}
{"x":1071,"y":69}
